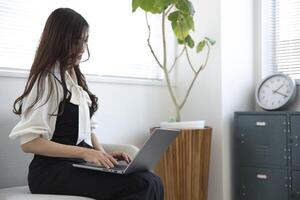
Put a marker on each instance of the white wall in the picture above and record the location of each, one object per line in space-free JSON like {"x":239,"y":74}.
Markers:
{"x":226,"y":85}
{"x":237,"y":75}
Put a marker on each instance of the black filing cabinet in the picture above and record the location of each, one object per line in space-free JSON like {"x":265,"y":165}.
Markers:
{"x":267,"y":155}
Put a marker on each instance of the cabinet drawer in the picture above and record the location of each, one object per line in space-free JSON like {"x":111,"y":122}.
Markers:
{"x":262,"y":140}
{"x":294,"y":141}
{"x":262,"y":184}
{"x":295,"y":184}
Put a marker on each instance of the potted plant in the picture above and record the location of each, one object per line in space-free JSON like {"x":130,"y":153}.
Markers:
{"x":184,"y":168}
{"x":180,"y":14}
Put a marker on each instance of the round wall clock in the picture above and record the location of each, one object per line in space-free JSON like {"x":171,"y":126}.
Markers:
{"x":275,"y":92}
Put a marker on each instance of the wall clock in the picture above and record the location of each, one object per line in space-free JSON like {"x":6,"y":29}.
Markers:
{"x":275,"y":92}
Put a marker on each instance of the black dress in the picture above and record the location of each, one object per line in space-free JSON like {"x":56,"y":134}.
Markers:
{"x":53,"y":175}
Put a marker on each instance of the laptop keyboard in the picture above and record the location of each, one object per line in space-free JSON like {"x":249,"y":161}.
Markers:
{"x":116,"y":167}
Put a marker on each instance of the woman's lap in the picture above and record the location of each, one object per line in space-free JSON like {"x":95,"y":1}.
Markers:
{"x":62,"y":178}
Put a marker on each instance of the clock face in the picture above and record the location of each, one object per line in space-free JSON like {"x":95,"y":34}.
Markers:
{"x":275,"y":92}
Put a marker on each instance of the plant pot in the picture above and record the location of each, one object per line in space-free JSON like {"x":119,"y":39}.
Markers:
{"x":184,"y":168}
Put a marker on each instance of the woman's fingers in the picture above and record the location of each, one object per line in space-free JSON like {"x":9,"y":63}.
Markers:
{"x":97,"y":162}
{"x":114,"y":161}
{"x":129,"y":158}
{"x":101,"y":162}
{"x":126,"y":157}
{"x":121,"y":156}
{"x":99,"y":158}
{"x":104,"y":160}
{"x":107,"y":161}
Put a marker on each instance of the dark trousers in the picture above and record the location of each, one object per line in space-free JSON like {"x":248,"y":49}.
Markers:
{"x":58,"y":176}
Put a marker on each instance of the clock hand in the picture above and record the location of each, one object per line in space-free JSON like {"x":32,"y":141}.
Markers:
{"x":277,"y":88}
{"x":280,"y":93}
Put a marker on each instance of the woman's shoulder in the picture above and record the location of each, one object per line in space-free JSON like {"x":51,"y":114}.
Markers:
{"x":55,"y":77}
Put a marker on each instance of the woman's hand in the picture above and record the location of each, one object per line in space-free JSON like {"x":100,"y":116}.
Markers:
{"x":98,"y":157}
{"x":121,"y":156}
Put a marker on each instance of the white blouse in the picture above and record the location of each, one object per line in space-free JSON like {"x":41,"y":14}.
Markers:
{"x":38,"y":123}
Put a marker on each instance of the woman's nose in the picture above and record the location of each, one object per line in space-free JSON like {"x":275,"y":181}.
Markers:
{"x":84,"y":46}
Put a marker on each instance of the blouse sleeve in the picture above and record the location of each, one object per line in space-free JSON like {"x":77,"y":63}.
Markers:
{"x":38,"y":122}
{"x":94,"y":124}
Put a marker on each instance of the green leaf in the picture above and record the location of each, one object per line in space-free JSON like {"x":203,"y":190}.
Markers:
{"x":200,"y":46}
{"x":190,"y":42}
{"x":180,"y":41}
{"x":185,"y":6}
{"x":189,"y":21}
{"x":191,"y":7}
{"x":181,"y":24}
{"x":147,"y":5}
{"x":211,"y":41}
{"x":164,"y":3}
{"x":173,"y":16}
{"x":156,"y":9}
{"x":153,"y":6}
{"x":135,"y":5}
{"x":180,"y":29}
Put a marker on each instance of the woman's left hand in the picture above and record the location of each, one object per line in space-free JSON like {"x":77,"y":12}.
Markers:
{"x":121,"y":156}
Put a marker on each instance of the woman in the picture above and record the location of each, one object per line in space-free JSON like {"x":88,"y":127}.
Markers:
{"x":57,"y":126}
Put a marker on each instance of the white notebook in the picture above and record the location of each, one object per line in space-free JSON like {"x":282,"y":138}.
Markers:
{"x":183,"y":125}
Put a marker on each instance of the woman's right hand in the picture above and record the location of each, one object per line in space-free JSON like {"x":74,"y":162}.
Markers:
{"x":98,"y":157}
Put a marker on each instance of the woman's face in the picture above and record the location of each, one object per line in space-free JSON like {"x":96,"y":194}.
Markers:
{"x":83,"y":48}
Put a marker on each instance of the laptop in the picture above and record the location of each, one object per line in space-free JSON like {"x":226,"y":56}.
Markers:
{"x":146,"y":158}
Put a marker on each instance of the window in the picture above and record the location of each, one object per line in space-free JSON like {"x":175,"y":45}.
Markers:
{"x":285,"y":37}
{"x":117,"y":39}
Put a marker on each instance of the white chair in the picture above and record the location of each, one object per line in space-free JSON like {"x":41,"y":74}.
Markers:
{"x":23,"y":193}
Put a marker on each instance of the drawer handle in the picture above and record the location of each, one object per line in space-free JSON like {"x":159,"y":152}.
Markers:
{"x":261,"y":124}
{"x":262,"y":176}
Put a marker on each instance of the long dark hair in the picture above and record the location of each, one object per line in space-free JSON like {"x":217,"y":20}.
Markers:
{"x":61,"y":41}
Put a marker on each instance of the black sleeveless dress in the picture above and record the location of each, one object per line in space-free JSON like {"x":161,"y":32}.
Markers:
{"x":53,"y":175}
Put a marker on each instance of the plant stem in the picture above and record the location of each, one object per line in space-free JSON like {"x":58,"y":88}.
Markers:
{"x":189,"y":90}
{"x":207,"y":56}
{"x":175,"y":102}
{"x":178,"y":115}
{"x":169,"y":9}
{"x":175,"y":60}
{"x":195,"y":77}
{"x":189,"y":60}
{"x":149,"y":44}
{"x":164,"y":41}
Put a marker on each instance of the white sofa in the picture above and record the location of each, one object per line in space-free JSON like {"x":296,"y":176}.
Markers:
{"x":23,"y":193}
